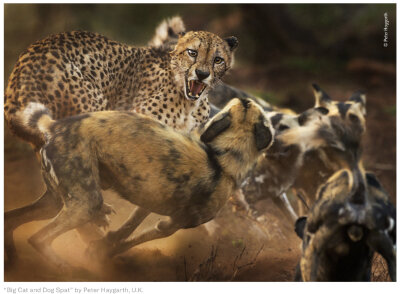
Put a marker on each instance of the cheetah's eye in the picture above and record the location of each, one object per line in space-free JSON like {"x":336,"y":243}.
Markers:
{"x":192,"y":53}
{"x":218,"y":60}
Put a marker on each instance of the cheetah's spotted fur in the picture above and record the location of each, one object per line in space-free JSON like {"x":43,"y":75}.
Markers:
{"x":77,"y":72}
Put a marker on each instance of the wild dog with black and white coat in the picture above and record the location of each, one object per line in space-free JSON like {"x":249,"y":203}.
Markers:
{"x":308,"y":149}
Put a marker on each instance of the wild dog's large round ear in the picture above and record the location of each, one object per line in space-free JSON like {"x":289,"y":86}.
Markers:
{"x":262,"y":135}
{"x":321,"y":98}
{"x":360,"y":99}
{"x":220,"y":123}
{"x":300,"y":225}
{"x":232,"y":42}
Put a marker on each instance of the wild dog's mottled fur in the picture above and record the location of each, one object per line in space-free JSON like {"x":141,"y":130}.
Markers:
{"x":147,"y":163}
{"x":348,"y":120}
{"x":335,"y":145}
{"x":276,"y":172}
{"x":351,"y":219}
{"x":77,"y":72}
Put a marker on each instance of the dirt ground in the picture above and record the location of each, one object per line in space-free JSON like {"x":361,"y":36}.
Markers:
{"x":231,"y":248}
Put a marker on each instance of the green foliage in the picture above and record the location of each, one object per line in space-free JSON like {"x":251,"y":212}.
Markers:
{"x":390,"y":110}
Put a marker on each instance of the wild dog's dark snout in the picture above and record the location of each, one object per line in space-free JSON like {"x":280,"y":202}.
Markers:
{"x":263,"y":135}
{"x":245,"y":103}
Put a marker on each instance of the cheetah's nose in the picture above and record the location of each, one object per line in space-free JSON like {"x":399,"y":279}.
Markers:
{"x":202,"y":74}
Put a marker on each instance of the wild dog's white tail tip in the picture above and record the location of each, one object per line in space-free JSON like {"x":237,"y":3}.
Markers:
{"x":37,"y":116}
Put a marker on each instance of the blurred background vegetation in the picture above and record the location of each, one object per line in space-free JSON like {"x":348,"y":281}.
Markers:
{"x":283,"y":48}
{"x":317,"y":38}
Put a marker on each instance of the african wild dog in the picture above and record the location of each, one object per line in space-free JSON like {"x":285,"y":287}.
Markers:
{"x":335,"y":144}
{"x":348,"y":120}
{"x":276,"y":172}
{"x":351,"y":219}
{"x":148,"y":164}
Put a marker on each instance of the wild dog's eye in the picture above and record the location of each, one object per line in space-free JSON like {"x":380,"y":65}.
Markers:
{"x":322,"y":110}
{"x":354,"y":118}
{"x":192,"y":53}
{"x":218,"y":60}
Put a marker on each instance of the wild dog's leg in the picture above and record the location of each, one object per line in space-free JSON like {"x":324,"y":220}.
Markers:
{"x":284,"y":205}
{"x":301,"y":201}
{"x":100,"y":248}
{"x":162,"y":229}
{"x":134,"y":220}
{"x":80,"y":207}
{"x":92,"y":231}
{"x":45,"y":207}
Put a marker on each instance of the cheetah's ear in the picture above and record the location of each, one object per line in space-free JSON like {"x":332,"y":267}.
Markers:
{"x":232,"y":42}
{"x":181,"y":34}
{"x":217,"y":126}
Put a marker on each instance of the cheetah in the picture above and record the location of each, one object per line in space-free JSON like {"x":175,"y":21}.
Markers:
{"x":167,"y":33}
{"x":77,"y":72}
{"x":80,"y":72}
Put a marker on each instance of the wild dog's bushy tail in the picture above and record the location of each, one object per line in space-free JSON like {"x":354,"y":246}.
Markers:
{"x":167,"y":32}
{"x":36,"y":116}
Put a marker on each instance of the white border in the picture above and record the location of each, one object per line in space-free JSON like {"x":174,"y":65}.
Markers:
{"x":199,"y":287}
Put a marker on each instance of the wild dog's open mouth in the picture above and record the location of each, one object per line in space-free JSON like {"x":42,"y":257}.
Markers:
{"x":194,"y":89}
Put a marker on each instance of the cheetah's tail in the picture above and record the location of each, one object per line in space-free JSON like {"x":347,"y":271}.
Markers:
{"x":168,"y":31}
{"x":37,"y":116}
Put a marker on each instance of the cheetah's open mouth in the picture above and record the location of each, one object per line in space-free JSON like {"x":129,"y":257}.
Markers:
{"x":194,"y":89}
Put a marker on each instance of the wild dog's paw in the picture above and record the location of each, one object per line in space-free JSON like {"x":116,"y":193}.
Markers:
{"x":99,"y":249}
{"x":101,"y":219}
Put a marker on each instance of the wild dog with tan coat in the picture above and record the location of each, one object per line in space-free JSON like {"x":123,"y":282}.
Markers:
{"x":147,"y":163}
